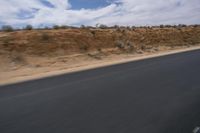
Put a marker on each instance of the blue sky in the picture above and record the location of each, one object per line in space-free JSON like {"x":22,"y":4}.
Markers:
{"x":19,"y":13}
{"x":88,"y":4}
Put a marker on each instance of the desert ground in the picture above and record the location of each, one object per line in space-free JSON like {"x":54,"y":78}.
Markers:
{"x":30,"y":54}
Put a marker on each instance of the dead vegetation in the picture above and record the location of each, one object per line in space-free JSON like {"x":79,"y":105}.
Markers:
{"x":126,"y":39}
{"x":73,"y":39}
{"x":67,"y":45}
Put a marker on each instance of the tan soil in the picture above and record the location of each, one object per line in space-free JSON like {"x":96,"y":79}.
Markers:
{"x":34,"y":54}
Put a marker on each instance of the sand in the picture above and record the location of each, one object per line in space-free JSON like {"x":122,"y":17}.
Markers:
{"x":35,"y":68}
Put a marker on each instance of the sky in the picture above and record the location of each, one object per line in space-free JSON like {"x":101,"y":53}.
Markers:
{"x":39,"y":13}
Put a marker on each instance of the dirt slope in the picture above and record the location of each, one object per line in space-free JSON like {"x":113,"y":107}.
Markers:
{"x":23,"y":52}
{"x":53,"y":42}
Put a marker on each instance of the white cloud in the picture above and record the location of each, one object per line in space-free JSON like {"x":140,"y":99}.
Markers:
{"x":128,"y":12}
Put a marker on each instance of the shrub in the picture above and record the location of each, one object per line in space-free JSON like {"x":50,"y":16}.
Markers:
{"x":63,"y":27}
{"x":7,"y":28}
{"x":120,"y":44}
{"x":83,"y":26}
{"x":133,"y":27}
{"x":93,"y":32}
{"x":91,"y":27}
{"x":45,"y":37}
{"x":167,"y":26}
{"x":143,"y":47}
{"x":102,"y":26}
{"x":17,"y":57}
{"x":118,"y":29}
{"x":127,"y":46}
{"x":128,"y":28}
{"x":99,"y":49}
{"x":56,"y":27}
{"x":84,"y":47}
{"x":161,"y":26}
{"x":6,"y":41}
{"x":182,"y":25}
{"x":46,"y":28}
{"x":123,"y":31}
{"x":95,"y":56}
{"x":196,"y":25}
{"x":29,"y":27}
{"x":116,"y":26}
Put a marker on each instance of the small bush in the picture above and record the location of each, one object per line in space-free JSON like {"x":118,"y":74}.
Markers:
{"x":120,"y":44}
{"x":123,"y":31}
{"x":196,"y":25}
{"x":128,"y":28}
{"x":56,"y":27}
{"x":161,"y":26}
{"x":99,"y":49}
{"x":29,"y":27}
{"x":102,"y":26}
{"x":93,"y":32}
{"x":16,"y":57}
{"x":63,"y":27}
{"x":7,"y":28}
{"x":133,"y":27}
{"x":95,"y":56}
{"x":7,"y":41}
{"x":168,"y":26}
{"x":129,"y":47}
{"x":45,"y":37}
{"x":118,"y":29}
{"x":46,"y":28}
{"x":116,"y":26}
{"x":126,"y":46}
{"x":143,"y":47}
{"x":182,"y":25}
{"x":84,"y":47}
{"x":83,"y":26}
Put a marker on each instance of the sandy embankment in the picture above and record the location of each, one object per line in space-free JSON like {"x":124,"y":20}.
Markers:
{"x":77,"y":63}
{"x":27,"y":55}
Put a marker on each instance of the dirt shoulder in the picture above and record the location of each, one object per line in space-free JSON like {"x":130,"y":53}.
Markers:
{"x":78,"y":62}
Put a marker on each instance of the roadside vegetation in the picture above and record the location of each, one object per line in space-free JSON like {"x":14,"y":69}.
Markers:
{"x":29,"y":49}
{"x":9,"y":28}
{"x":83,"y":39}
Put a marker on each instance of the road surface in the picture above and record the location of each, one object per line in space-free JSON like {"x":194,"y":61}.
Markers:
{"x":158,"y":95}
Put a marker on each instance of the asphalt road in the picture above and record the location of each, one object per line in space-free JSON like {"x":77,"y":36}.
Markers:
{"x":159,"y":95}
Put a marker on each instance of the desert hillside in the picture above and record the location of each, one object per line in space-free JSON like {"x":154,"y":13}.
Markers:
{"x":68,"y":41}
{"x":41,"y":50}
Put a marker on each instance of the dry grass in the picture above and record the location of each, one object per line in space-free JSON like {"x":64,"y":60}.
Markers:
{"x":55,"y":49}
{"x":84,"y":40}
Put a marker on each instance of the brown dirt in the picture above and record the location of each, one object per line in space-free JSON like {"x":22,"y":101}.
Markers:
{"x":25,"y":53}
